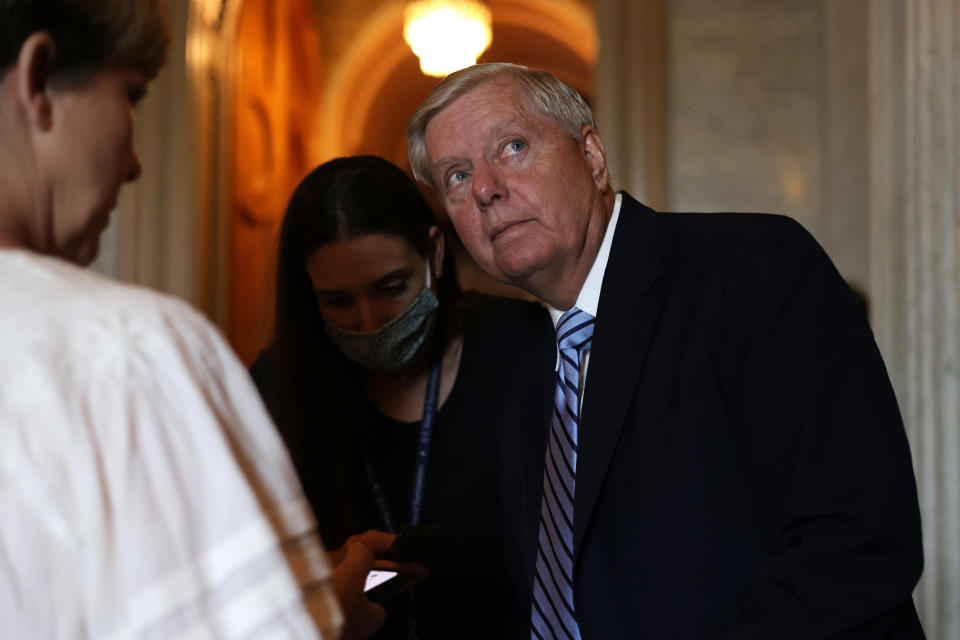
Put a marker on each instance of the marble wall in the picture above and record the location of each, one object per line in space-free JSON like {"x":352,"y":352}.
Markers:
{"x":744,"y":96}
{"x":742,"y":105}
{"x":766,"y":112}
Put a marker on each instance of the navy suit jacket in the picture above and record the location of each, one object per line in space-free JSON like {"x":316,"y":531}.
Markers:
{"x":743,"y":469}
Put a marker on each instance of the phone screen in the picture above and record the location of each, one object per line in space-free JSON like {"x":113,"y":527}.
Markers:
{"x":377,"y":577}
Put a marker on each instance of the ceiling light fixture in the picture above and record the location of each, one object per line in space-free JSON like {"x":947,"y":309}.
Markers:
{"x":447,"y":35}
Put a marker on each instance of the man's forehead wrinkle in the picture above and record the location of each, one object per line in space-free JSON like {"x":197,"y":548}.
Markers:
{"x":445,"y":161}
{"x":464,"y":119}
{"x":508,"y":125}
{"x":466,"y":129}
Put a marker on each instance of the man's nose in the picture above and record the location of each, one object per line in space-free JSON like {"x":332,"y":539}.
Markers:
{"x":488,"y":186}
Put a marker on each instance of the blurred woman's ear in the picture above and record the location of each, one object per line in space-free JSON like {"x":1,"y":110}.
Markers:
{"x":436,"y":250}
{"x":31,"y":75}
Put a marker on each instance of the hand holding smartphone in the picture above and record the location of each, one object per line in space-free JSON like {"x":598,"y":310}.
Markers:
{"x":402,"y":565}
{"x":389,"y":579}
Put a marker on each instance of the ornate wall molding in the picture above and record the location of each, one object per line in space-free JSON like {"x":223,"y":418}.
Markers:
{"x":210,"y":32}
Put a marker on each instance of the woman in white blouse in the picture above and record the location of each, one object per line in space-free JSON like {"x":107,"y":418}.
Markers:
{"x":143,"y":489}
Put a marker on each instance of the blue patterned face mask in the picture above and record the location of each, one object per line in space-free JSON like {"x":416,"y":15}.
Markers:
{"x":394,"y":344}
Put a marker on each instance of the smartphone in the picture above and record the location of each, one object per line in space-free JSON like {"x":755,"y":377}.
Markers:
{"x":383,"y":584}
{"x":377,"y":577}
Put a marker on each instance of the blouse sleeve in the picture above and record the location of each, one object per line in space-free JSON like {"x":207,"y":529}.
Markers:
{"x":168,"y":497}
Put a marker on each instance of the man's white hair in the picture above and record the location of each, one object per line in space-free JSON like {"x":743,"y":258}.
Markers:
{"x":547,"y":95}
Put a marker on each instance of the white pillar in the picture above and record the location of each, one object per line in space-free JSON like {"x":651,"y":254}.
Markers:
{"x":631,"y":95}
{"x":915,"y":266}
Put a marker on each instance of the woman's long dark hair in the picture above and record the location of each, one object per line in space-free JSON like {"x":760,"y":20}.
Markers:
{"x":315,"y":391}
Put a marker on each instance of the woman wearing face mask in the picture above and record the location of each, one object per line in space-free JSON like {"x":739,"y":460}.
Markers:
{"x":383,"y":378}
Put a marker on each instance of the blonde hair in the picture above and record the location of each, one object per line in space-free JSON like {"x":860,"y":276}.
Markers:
{"x":546,"y":94}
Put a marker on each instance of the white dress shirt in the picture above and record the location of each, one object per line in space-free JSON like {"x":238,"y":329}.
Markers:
{"x":144,"y":492}
{"x":589,"y":298}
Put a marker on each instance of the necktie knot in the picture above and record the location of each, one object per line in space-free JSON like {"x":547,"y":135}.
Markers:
{"x":575,"y":330}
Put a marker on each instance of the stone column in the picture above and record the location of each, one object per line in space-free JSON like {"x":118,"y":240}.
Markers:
{"x":631,"y":95}
{"x":915,"y":266}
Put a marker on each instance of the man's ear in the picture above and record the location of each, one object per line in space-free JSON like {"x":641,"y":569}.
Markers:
{"x":596,"y":157}
{"x":437,"y":249}
{"x":31,"y":78}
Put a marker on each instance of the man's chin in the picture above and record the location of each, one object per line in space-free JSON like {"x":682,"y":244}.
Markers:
{"x":517,"y":272}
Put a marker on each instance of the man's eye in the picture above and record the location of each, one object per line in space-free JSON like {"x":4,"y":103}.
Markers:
{"x":457,"y":177}
{"x":515,"y":146}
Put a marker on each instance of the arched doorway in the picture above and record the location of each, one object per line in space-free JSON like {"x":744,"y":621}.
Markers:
{"x":376,"y":84}
{"x":269,"y":106}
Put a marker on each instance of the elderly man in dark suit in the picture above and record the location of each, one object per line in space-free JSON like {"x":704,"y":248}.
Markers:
{"x":715,"y":449}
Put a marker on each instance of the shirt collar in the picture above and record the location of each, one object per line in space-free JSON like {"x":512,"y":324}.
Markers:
{"x":589,"y":298}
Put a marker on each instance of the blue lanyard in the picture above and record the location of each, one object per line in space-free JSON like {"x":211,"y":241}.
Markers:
{"x":420,"y":463}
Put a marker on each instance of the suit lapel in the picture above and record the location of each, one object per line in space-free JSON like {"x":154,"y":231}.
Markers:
{"x":625,"y":323}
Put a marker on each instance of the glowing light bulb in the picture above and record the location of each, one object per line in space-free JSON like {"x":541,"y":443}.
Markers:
{"x":447,"y":35}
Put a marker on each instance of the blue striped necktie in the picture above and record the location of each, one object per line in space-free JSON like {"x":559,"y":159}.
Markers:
{"x":552,"y":615}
